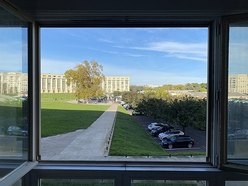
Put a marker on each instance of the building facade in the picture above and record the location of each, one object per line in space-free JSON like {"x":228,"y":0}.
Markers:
{"x":16,"y":83}
{"x":116,"y":83}
{"x":55,"y":83}
{"x":238,"y":83}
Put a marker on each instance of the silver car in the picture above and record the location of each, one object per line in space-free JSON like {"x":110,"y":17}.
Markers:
{"x":17,"y":131}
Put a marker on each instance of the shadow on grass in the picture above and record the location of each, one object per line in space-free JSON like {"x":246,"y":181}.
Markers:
{"x":55,"y":121}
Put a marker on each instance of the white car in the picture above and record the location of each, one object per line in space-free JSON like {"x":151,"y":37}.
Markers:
{"x":170,"y":133}
{"x":153,"y":126}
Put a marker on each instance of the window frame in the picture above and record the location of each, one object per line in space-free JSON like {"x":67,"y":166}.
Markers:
{"x":143,"y":23}
{"x":21,"y":170}
{"x":226,"y":21}
{"x":123,"y":171}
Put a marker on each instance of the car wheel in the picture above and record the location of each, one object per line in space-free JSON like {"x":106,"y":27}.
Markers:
{"x":190,"y":145}
{"x":170,"y":146}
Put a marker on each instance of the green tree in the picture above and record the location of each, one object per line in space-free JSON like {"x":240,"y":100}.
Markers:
{"x":87,"y":78}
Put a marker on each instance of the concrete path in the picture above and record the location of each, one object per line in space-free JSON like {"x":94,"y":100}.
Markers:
{"x":83,"y":144}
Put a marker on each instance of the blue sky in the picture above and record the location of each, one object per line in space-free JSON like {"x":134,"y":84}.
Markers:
{"x":150,"y":56}
{"x":13,"y":49}
{"x":238,"y":50}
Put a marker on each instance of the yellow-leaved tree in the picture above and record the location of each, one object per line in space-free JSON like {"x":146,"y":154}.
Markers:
{"x":87,"y":77}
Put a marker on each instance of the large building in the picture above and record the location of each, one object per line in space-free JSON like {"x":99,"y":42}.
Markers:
{"x":16,"y":83}
{"x":238,"y":83}
{"x":116,"y":83}
{"x":55,"y":83}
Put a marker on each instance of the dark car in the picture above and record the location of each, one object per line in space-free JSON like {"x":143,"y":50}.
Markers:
{"x":155,"y":132}
{"x":178,"y":141}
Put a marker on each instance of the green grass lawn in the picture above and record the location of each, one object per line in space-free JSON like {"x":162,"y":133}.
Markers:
{"x":47,"y":97}
{"x":130,"y":139}
{"x":59,"y":116}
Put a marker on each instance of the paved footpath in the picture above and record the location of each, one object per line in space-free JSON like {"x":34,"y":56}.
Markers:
{"x":82,"y":144}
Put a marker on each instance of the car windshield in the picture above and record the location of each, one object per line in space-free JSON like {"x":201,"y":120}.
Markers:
{"x":173,"y":138}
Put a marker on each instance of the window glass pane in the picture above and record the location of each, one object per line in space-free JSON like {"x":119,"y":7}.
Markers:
{"x":13,"y":92}
{"x":102,"y":87}
{"x":236,"y":183}
{"x":76,"y":182}
{"x":18,"y":183}
{"x":238,"y":93}
{"x":168,"y":183}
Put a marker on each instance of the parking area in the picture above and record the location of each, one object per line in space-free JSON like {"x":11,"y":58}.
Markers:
{"x":199,"y":136}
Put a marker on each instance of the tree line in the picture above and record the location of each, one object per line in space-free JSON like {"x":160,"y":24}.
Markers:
{"x":157,"y":103}
{"x":184,"y":111}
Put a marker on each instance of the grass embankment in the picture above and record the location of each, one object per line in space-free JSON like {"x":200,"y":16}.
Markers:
{"x":130,"y":139}
{"x":59,"y":116}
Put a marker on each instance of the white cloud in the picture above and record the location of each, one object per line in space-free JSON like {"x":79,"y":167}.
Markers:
{"x":104,"y":40}
{"x":193,"y":51}
{"x":153,"y":77}
{"x":118,"y":53}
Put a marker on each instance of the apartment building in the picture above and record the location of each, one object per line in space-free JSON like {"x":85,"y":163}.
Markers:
{"x":116,"y":83}
{"x":14,"y":83}
{"x":238,"y":83}
{"x":17,"y":83}
{"x":55,"y":83}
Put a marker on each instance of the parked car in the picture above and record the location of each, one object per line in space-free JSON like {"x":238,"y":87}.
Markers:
{"x":154,"y":125}
{"x":164,"y":128}
{"x":170,"y":133}
{"x":239,"y":134}
{"x":177,"y":141}
{"x":137,"y":112}
{"x":127,"y":106}
{"x":17,"y":131}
